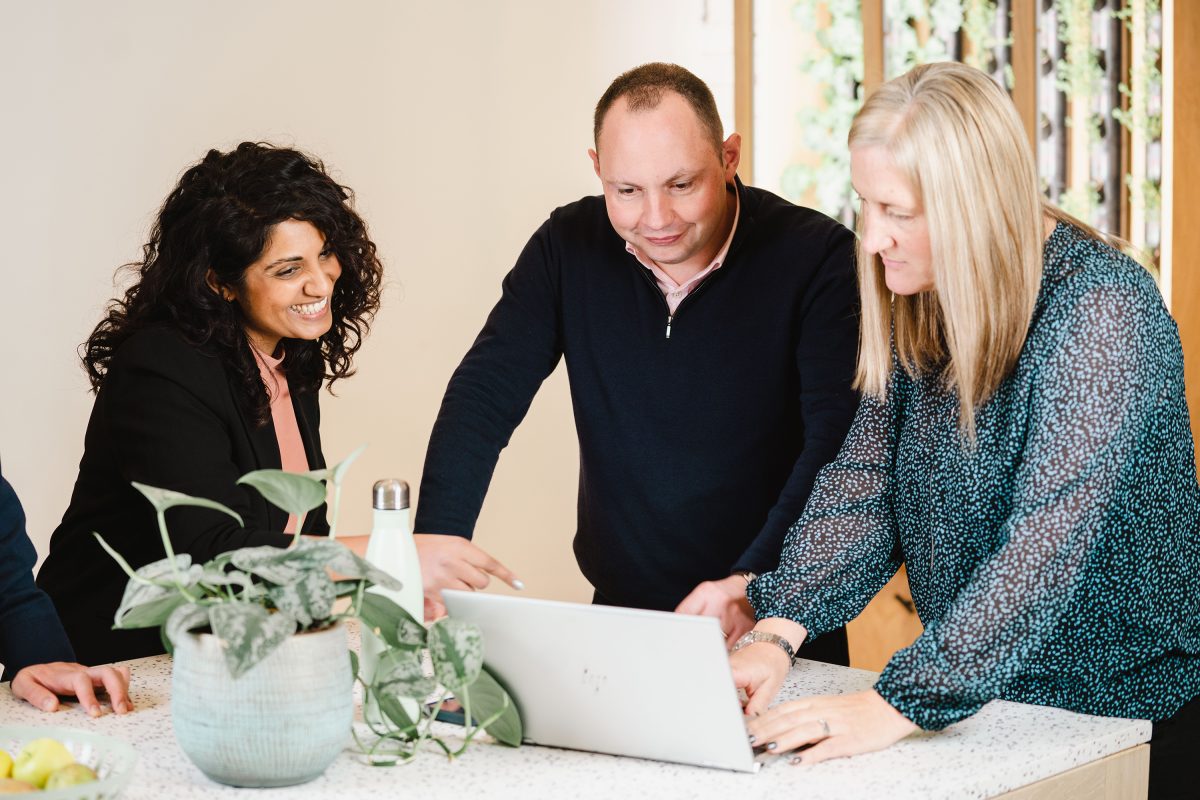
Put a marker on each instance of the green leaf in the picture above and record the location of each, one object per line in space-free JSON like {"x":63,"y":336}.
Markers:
{"x":345,"y":588}
{"x":294,"y":493}
{"x":308,"y":599}
{"x":283,"y":566}
{"x":346,"y":562}
{"x":248,"y":633}
{"x":489,"y":699}
{"x":393,"y":709}
{"x":339,"y":471}
{"x":456,"y":649}
{"x":409,"y":632}
{"x":185,"y":618}
{"x":395,"y":625}
{"x":214,"y":577}
{"x":151,"y":594}
{"x":149,"y":614}
{"x":162,"y":499}
{"x":399,"y":675}
{"x":353,"y":664}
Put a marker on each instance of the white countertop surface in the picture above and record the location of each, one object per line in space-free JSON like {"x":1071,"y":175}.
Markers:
{"x":1003,"y":747}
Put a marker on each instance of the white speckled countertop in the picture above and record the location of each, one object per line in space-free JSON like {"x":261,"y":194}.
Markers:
{"x":1003,"y":747}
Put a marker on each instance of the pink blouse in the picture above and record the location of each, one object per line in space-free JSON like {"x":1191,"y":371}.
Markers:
{"x":283,"y":416}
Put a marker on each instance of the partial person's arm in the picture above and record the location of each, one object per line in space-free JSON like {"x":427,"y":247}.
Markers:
{"x":488,"y":396}
{"x":30,"y":631}
{"x":837,"y":556}
{"x":33,"y":645}
{"x":825,"y":361}
{"x":826,"y":355}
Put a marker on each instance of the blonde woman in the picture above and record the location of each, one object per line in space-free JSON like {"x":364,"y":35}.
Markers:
{"x":1023,"y":445}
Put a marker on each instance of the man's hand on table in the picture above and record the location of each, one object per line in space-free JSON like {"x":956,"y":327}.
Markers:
{"x":724,"y":599}
{"x":453,"y":562}
{"x":836,"y":726}
{"x":41,"y":684}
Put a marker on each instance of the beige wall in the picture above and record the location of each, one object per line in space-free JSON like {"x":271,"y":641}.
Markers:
{"x":459,"y":124}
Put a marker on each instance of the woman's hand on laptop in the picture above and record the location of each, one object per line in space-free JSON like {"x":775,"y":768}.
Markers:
{"x":835,"y":726}
{"x":760,"y":667}
{"x":724,"y":599}
{"x":454,"y":562}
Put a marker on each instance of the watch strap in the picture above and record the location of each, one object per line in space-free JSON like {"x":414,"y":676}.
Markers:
{"x":763,"y":636}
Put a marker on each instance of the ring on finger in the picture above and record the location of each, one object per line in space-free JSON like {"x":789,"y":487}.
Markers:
{"x":824,"y":728}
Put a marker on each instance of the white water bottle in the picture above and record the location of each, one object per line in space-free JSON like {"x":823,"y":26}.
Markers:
{"x":391,"y":548}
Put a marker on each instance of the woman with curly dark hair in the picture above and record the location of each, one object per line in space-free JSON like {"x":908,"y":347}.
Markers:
{"x":257,"y":285}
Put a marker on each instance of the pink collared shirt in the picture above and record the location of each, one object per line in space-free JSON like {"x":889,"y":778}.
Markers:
{"x":675,"y":292}
{"x":283,"y":416}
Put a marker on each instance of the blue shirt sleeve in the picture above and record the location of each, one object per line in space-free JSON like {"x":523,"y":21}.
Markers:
{"x":30,"y":631}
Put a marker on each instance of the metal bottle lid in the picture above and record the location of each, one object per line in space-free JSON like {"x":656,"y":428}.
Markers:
{"x":389,"y":494}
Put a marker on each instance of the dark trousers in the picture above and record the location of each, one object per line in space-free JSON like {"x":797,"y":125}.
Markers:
{"x":831,"y":648}
{"x":1175,"y":754}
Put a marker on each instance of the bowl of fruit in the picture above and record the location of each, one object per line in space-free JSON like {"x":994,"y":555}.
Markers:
{"x":63,"y":763}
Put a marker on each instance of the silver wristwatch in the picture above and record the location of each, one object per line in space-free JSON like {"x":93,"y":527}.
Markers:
{"x":763,"y":636}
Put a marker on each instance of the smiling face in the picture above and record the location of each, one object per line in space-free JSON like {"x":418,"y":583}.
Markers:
{"x":893,"y":221}
{"x":286,"y":292}
{"x":665,"y":186}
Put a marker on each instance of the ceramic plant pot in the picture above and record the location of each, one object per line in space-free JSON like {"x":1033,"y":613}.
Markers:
{"x":282,"y":722}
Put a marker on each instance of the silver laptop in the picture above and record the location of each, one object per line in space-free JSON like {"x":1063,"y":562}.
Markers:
{"x":648,"y":684}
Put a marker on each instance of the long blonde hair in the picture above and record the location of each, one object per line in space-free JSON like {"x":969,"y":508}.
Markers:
{"x":955,"y":135}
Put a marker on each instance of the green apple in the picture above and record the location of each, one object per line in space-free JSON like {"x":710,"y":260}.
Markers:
{"x":70,"y":775}
{"x":5,"y":764}
{"x":38,"y":759}
{"x":13,"y":786}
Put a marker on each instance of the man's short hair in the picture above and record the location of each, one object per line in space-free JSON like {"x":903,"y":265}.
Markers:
{"x":643,"y":88}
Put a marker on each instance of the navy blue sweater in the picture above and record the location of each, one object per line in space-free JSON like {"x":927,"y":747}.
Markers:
{"x":697,"y":451}
{"x":30,"y":632}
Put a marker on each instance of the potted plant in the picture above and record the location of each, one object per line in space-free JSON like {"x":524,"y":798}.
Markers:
{"x":262,"y":686}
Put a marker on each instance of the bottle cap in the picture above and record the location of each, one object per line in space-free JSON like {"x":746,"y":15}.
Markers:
{"x":389,"y":494}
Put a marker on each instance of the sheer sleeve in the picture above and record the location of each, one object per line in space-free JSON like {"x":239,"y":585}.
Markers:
{"x":1100,"y":378}
{"x":843,"y":549}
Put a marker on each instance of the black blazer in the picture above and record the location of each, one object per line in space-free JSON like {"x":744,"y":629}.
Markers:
{"x":167,"y":415}
{"x":30,"y":632}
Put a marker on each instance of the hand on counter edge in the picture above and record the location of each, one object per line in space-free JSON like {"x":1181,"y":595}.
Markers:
{"x":41,"y":684}
{"x":835,"y":726}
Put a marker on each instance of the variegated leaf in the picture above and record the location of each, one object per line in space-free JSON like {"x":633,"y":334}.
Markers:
{"x":276,"y":564}
{"x":310,"y":598}
{"x":399,"y":674}
{"x":294,"y":493}
{"x":248,"y":633}
{"x":409,"y":632}
{"x":233,"y":577}
{"x":398,"y":629}
{"x":456,"y":649}
{"x":161,"y":570}
{"x":185,"y":618}
{"x":347,"y":563}
{"x":148,"y":602}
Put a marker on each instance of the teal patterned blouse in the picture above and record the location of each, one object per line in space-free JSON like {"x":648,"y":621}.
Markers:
{"x":1058,"y":562}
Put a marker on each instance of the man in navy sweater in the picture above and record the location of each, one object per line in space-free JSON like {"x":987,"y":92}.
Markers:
{"x":710,"y":332}
{"x":33,"y":645}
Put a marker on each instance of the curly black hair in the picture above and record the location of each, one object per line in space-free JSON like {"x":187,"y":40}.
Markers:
{"x":219,"y":218}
